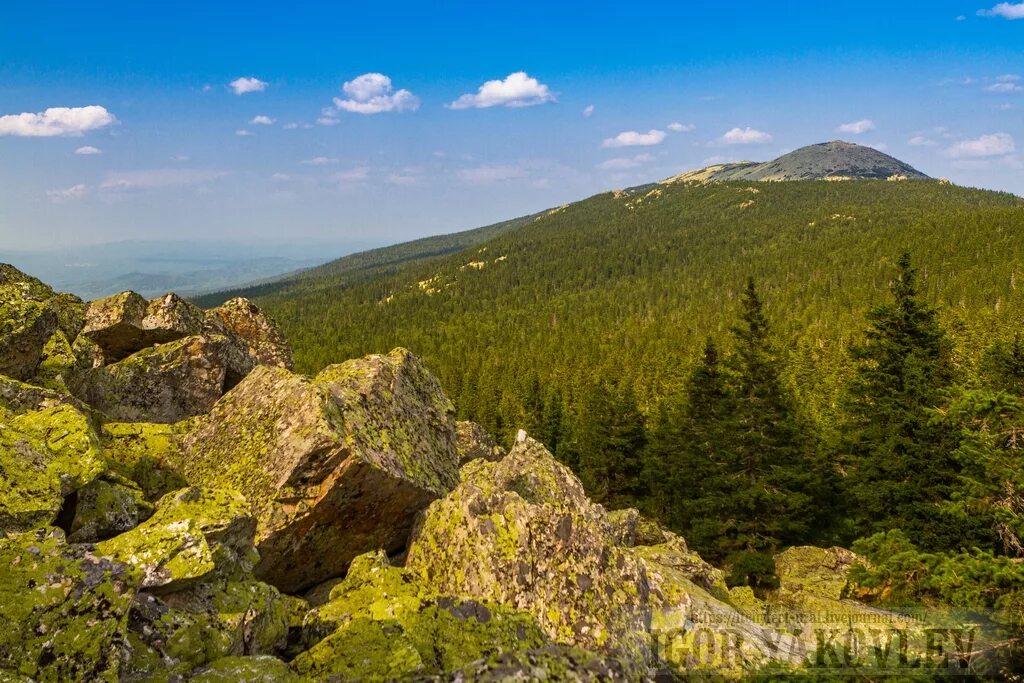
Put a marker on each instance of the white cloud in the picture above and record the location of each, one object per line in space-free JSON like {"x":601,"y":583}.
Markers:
{"x":245,"y":85}
{"x":588,"y":111}
{"x":159,"y":178}
{"x":373,"y":93}
{"x":67,"y":194}
{"x":1004,"y":87}
{"x":280,"y":177}
{"x":676,"y":127}
{"x":88,"y":150}
{"x":856,"y":127}
{"x":625,"y":163}
{"x":994,"y":145}
{"x":1008,"y":78}
{"x":405,"y":177}
{"x":1006,"y":10}
{"x":487,"y":175}
{"x":632,"y":138}
{"x":243,"y":133}
{"x":745,"y":136}
{"x":517,"y":90}
{"x":319,"y":161}
{"x":262,"y":120}
{"x":353,"y":175}
{"x":921,"y":141}
{"x":56,"y":121}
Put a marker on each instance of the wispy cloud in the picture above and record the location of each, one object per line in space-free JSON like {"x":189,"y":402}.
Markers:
{"x":588,"y":111}
{"x":921,"y":141}
{"x":518,"y":89}
{"x":857,"y":127}
{"x":156,"y":178}
{"x":490,"y":174}
{"x":625,"y":163}
{"x":677,"y":127}
{"x":994,"y":145}
{"x":247,"y":84}
{"x":353,"y":175}
{"x":1006,"y":10}
{"x":243,"y":133}
{"x":88,"y":150}
{"x":67,"y":194}
{"x":373,"y":93}
{"x":56,"y":121}
{"x":1004,"y":87}
{"x":261,"y":120}
{"x":319,"y":161}
{"x":745,"y":136}
{"x":632,"y":138}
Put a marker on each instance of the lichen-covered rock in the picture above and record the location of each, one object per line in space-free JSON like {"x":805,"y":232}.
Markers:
{"x":64,"y":610}
{"x":254,"y":332}
{"x":257,"y":669}
{"x":125,"y":323}
{"x":630,"y":528}
{"x":521,"y":532}
{"x":164,"y":383}
{"x":19,"y":397}
{"x":143,"y":452}
{"x":430,"y":634}
{"x":814,"y":571}
{"x":370,"y":442}
{"x":45,"y":456}
{"x":26,"y":322}
{"x":473,"y":441}
{"x":105,"y":507}
{"x":178,"y":632}
{"x":194,"y":534}
{"x":59,"y":368}
{"x":552,"y":662}
{"x":672,"y":552}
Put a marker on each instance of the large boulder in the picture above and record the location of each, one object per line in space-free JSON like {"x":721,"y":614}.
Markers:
{"x":521,"y":532}
{"x":26,"y":322}
{"x":143,"y":452}
{"x":473,"y":441}
{"x":64,"y":610}
{"x":125,"y":323}
{"x":370,"y":442}
{"x":46,"y":456}
{"x":193,"y":533}
{"x":382,"y":622}
{"x":164,"y":383}
{"x":253,"y":332}
{"x":107,"y":506}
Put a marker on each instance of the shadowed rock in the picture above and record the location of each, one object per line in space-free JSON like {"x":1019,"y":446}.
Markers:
{"x":333,"y":467}
{"x":30,"y":313}
{"x":125,"y":323}
{"x":473,"y":441}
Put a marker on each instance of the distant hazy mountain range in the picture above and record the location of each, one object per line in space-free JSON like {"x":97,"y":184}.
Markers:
{"x":154,"y":267}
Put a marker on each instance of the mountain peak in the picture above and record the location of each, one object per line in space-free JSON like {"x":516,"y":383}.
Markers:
{"x":835,"y":160}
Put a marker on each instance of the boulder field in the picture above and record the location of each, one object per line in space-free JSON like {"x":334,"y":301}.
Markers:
{"x":177,"y":504}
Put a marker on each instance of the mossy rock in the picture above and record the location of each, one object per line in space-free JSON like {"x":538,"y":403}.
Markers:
{"x":144,"y":452}
{"x":193,"y":535}
{"x":64,"y":610}
{"x":255,"y":339}
{"x":371,"y":441}
{"x":365,"y":650}
{"x":209,"y":621}
{"x":815,"y":571}
{"x":58,"y":367}
{"x":552,"y":662}
{"x":256,"y":669}
{"x":106,"y":507}
{"x":473,"y":441}
{"x":164,"y":383}
{"x":45,"y":456}
{"x":521,"y":532}
{"x":26,"y":324}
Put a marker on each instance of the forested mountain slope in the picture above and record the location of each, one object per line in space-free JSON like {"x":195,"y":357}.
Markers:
{"x":624,"y":287}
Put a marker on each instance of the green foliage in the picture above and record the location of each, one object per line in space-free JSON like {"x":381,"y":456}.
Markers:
{"x":753,"y":569}
{"x":899,"y":458}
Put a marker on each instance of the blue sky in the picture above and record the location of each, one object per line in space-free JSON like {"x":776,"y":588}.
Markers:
{"x":584,"y":99}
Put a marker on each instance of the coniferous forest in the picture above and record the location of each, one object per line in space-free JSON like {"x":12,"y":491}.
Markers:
{"x":757,"y":366}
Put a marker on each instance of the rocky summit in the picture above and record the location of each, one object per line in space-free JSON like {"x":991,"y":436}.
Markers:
{"x":176,"y":504}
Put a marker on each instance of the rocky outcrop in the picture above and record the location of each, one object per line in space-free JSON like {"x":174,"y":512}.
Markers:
{"x":125,"y":323}
{"x":473,"y":441}
{"x":370,"y":441}
{"x":193,"y":533}
{"x":46,"y":456}
{"x":255,"y":338}
{"x":522,"y":532}
{"x":163,"y":383}
{"x":30,"y":314}
{"x":105,"y":507}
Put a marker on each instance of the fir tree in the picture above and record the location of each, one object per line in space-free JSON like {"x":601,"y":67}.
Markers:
{"x":900,"y":458}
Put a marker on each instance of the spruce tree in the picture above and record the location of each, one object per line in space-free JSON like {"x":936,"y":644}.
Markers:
{"x":900,"y":463}
{"x":608,"y":446}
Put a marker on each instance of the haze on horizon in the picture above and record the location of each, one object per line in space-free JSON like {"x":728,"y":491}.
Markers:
{"x":335,"y":124}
